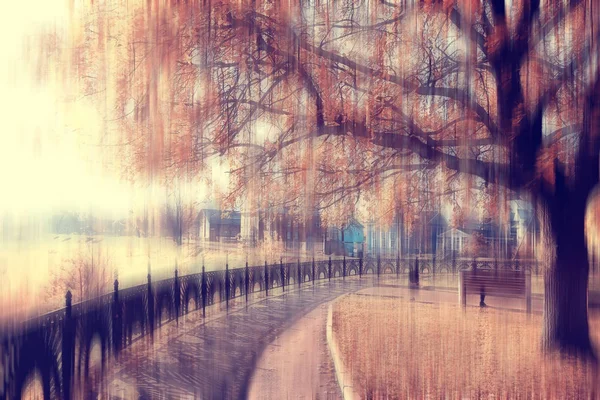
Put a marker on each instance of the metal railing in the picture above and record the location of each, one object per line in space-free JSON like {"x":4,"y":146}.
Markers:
{"x":51,"y":342}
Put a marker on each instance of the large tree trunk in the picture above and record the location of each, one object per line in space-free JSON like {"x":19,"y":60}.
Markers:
{"x":565,"y":307}
{"x":564,"y":204}
{"x":566,"y":283}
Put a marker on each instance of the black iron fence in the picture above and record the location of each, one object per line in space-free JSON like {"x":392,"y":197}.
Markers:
{"x":58,"y":345}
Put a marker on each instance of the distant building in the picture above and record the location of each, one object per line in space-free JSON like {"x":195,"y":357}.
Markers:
{"x":251,"y":227}
{"x":518,"y":237}
{"x":276,"y":223}
{"x":397,"y":239}
{"x":489,"y":239}
{"x":385,"y":241}
{"x":498,"y":238}
{"x":347,"y":241}
{"x":423,"y":237}
{"x":452,"y":242}
{"x":216,"y":225}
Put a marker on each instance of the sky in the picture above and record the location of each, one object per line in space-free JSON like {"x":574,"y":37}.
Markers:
{"x":44,"y":162}
{"x":49,"y":157}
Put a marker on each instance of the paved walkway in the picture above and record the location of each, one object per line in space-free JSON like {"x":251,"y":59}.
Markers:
{"x":298,"y":364}
{"x":430,"y":294}
{"x":214,"y":359}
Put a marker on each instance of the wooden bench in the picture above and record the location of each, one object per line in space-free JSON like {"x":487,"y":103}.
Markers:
{"x":495,"y":283}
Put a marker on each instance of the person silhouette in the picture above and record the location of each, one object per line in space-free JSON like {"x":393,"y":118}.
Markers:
{"x":482,"y":297}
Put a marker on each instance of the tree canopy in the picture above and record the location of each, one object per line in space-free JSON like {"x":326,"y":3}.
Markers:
{"x":327,"y":104}
{"x":331,"y":103}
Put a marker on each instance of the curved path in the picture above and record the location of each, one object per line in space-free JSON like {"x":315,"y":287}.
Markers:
{"x":214,"y":359}
{"x":299,"y":363}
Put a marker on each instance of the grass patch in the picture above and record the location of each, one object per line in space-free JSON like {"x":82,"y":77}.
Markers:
{"x":401,"y":349}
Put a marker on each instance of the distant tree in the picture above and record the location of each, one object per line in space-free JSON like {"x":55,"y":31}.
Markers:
{"x":87,"y":274}
{"x":66,"y":223}
{"x":180,"y":218}
{"x":475,"y":246}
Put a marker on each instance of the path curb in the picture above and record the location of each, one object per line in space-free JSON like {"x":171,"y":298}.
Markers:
{"x":342,"y":374}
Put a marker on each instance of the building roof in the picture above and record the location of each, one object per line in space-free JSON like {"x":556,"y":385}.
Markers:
{"x":222,"y":217}
{"x":454,"y":233}
{"x":209,"y":212}
{"x":354,"y":222}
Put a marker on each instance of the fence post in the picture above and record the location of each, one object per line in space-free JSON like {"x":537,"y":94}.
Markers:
{"x":68,"y":348}
{"x":282,"y":273}
{"x":299,"y":274}
{"x":329,"y":269}
{"x":433,"y":266}
{"x":204,"y":291}
{"x":360,"y":267}
{"x":474,"y":265}
{"x":378,"y":265}
{"x":344,"y":268}
{"x":177,"y":295}
{"x":517,"y":265}
{"x":247,"y":281}
{"x":397,"y":266}
{"x":117,"y":324}
{"x":266,"y":279}
{"x":150,"y":306}
{"x":227,"y":288}
{"x":313,"y":270}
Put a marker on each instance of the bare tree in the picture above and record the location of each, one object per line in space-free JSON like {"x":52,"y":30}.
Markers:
{"x":87,"y":274}
{"x":325,"y":105}
{"x":180,"y":216}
